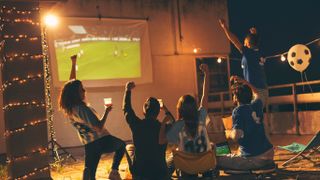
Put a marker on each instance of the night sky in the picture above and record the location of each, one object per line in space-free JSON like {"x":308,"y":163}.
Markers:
{"x":281,"y":24}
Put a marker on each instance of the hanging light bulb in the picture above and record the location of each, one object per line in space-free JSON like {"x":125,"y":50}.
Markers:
{"x":283,"y":58}
{"x":195,"y":50}
{"x":219,"y":60}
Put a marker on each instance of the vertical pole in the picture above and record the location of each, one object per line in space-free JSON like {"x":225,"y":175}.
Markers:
{"x":295,"y":109}
{"x":222,"y":103}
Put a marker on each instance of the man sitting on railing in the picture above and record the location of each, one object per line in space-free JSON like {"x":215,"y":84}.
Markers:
{"x":255,"y":149}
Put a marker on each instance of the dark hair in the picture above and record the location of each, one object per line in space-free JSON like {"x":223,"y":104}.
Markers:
{"x":187,"y":110}
{"x":70,"y":96}
{"x":253,"y":39}
{"x":243,"y":93}
{"x":152,"y":107}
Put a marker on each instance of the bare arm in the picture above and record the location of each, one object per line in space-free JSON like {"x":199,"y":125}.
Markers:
{"x":129,"y":113}
{"x":162,"y":133}
{"x":73,"y":74}
{"x":104,"y":117}
{"x":168,"y":118}
{"x":205,"y":89}
{"x":243,"y":81}
{"x":232,"y":38}
{"x":234,"y":134}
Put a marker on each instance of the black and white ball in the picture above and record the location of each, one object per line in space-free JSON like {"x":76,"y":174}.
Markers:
{"x":299,"y":57}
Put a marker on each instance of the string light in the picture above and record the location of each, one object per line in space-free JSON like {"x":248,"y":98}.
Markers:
{"x":21,"y":37}
{"x":195,"y":50}
{"x":17,"y":56}
{"x":282,"y":54}
{"x":28,"y":155}
{"x":20,"y":81}
{"x":32,"y":173}
{"x":21,"y":104}
{"x":20,"y":20}
{"x":49,"y":108}
{"x":22,"y":129}
{"x":283,"y":58}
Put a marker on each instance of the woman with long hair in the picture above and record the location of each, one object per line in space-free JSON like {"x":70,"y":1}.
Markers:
{"x":91,"y":130}
{"x":189,"y":131}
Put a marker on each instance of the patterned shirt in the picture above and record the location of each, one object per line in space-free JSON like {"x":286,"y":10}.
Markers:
{"x":178,"y":135}
{"x":84,"y":118}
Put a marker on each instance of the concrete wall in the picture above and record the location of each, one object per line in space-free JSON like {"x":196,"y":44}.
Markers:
{"x":280,"y":123}
{"x":173,"y":61}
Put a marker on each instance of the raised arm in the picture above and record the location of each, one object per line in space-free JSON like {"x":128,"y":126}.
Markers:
{"x":127,"y":107}
{"x":105,"y":115}
{"x":232,"y":38}
{"x":73,"y":74}
{"x":237,"y":79}
{"x":168,"y":118}
{"x":205,"y":89}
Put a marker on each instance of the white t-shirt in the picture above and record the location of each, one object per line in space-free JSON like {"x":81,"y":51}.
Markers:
{"x":197,"y":144}
{"x":84,"y":118}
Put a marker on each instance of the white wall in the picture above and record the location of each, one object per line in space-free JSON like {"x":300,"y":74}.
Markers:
{"x":173,"y":61}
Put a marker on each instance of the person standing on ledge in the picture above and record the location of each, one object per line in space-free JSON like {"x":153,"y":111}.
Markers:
{"x":252,"y":61}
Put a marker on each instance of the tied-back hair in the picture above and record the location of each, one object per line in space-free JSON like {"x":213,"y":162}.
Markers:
{"x":70,"y":96}
{"x":243,"y":93}
{"x":187,"y":110}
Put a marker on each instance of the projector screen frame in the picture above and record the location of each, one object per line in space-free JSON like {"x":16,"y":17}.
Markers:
{"x":145,"y":54}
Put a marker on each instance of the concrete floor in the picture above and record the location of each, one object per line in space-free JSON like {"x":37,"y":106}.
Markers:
{"x":301,"y":170}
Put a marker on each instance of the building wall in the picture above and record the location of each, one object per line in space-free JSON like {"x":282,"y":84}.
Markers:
{"x":173,"y":59}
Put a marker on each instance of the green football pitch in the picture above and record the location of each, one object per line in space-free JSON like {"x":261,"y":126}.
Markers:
{"x":101,"y":60}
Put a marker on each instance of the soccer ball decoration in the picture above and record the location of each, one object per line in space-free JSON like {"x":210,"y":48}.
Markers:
{"x":299,"y":57}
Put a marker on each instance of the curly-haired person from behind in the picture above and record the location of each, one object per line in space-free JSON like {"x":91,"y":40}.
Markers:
{"x":91,"y":129}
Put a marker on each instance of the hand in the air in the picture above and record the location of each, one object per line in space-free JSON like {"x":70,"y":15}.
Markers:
{"x":74,"y":59}
{"x":130,"y":85}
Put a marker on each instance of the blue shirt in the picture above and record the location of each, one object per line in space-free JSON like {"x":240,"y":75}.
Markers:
{"x":249,"y":119}
{"x":253,"y":72}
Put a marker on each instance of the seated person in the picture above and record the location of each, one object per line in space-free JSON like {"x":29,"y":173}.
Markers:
{"x":255,"y":149}
{"x":189,"y":132}
{"x":149,"y":161}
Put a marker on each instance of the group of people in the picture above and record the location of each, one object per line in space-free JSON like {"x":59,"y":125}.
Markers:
{"x":188,"y":131}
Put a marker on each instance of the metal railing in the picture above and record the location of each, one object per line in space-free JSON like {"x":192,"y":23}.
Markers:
{"x":294,"y":98}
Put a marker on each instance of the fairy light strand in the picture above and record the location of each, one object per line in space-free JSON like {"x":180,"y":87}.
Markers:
{"x":33,"y":173}
{"x":25,"y":126}
{"x":41,"y":150}
{"x":49,"y":108}
{"x":14,"y":105}
{"x":13,"y":15}
{"x":20,"y":81}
